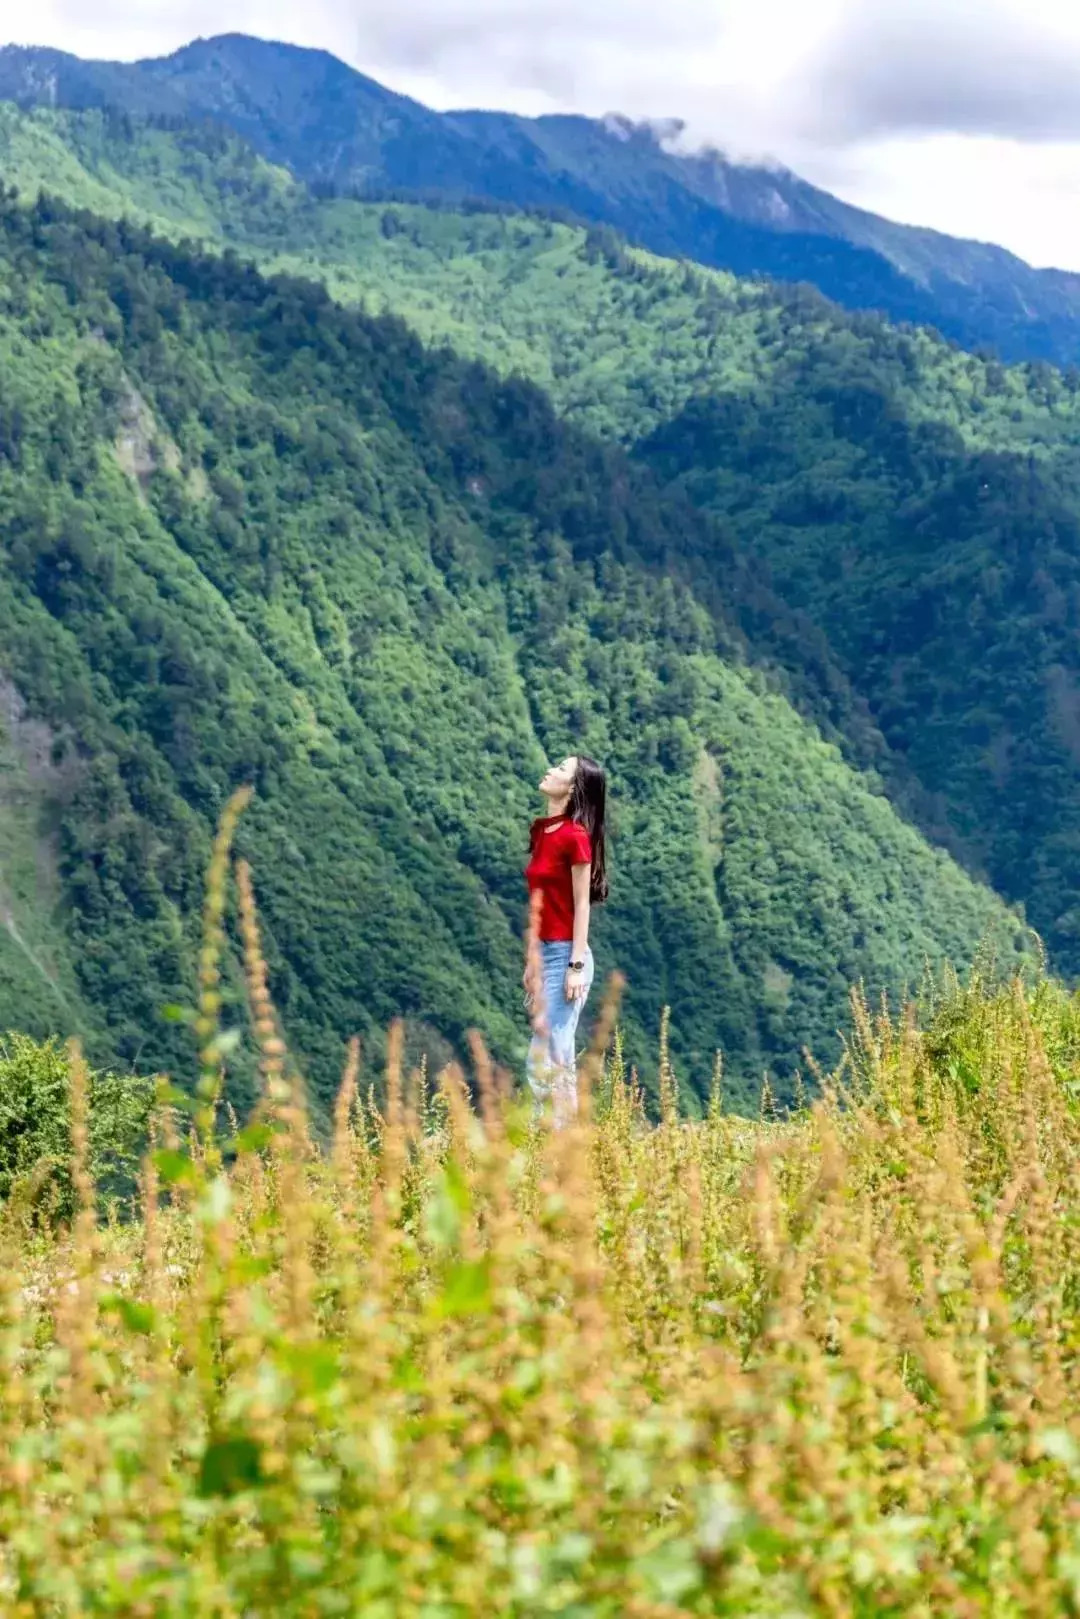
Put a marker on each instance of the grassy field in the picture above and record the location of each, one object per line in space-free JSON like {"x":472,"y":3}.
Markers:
{"x":450,"y":1362}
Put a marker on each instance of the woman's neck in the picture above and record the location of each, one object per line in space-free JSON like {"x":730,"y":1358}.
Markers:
{"x":557,"y":807}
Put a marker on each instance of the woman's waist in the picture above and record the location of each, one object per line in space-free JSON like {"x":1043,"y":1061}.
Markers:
{"x":552,"y":949}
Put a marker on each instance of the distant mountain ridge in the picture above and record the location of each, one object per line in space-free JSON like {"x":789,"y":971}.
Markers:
{"x":333,"y":126}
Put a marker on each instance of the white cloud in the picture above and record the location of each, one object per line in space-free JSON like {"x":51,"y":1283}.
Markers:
{"x":942,"y":66}
{"x":960,"y":114}
{"x":126,"y":29}
{"x":1019,"y":194}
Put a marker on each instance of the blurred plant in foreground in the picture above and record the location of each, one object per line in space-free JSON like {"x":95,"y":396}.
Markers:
{"x":455,"y":1363}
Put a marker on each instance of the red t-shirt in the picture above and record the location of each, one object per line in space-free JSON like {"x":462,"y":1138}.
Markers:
{"x":553,"y":854}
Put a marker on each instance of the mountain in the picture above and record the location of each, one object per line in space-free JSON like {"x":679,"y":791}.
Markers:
{"x":335,"y":127}
{"x":915,"y":506}
{"x":248,"y":535}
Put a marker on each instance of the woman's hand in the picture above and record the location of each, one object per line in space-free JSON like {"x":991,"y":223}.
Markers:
{"x":574,"y":985}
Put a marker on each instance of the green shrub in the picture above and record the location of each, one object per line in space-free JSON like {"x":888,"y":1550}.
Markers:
{"x":35,"y":1128}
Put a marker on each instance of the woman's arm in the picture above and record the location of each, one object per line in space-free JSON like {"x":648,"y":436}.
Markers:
{"x":580,"y":877}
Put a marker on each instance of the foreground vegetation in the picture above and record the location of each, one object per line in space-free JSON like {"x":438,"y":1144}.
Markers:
{"x":449,"y":1362}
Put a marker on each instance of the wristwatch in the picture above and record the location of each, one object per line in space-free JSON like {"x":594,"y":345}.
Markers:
{"x":576,"y":966}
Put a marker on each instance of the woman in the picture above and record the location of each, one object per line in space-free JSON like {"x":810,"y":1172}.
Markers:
{"x":566,"y":876}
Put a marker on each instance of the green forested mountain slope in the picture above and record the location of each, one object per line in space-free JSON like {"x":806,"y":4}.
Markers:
{"x":619,"y":338}
{"x":919,"y":503}
{"x":333,"y":126}
{"x":38,"y":986}
{"x":948,"y":585}
{"x":246,"y":535}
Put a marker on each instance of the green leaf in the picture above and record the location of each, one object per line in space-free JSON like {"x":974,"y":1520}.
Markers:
{"x":252,"y":1267}
{"x":467,"y":1290}
{"x":316,"y":1367}
{"x":168,"y":1095}
{"x":670,"y":1571}
{"x":408,"y":1376}
{"x":993,"y":1422}
{"x":230,"y":1465}
{"x":136,"y":1316}
{"x":457,"y":1186}
{"x":177,"y":1014}
{"x":767,"y":1544}
{"x":254,"y":1138}
{"x":446,"y":1206}
{"x":173,"y":1166}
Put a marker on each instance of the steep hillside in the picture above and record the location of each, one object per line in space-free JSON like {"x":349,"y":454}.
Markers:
{"x":332,"y":125}
{"x":621,"y":339}
{"x":38,"y":983}
{"x":949,"y":586}
{"x":247,"y":535}
{"x":918,"y":502}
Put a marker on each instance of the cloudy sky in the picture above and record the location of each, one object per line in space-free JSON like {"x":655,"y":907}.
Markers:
{"x":960,"y":114}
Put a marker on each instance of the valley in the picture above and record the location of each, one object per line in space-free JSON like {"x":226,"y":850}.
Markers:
{"x":252,"y":536}
{"x":828,"y":446}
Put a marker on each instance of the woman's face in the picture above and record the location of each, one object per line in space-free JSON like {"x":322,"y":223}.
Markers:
{"x":560,"y":778}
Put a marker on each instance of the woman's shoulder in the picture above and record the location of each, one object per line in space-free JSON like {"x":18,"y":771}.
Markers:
{"x":576,"y":836}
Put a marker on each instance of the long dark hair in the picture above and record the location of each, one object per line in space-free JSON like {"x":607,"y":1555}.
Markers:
{"x":588,"y":798}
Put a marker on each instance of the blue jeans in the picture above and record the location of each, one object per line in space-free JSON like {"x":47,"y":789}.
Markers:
{"x":552,"y":1062}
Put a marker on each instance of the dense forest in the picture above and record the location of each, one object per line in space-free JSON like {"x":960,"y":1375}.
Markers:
{"x":251,"y":536}
{"x":916,"y":504}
